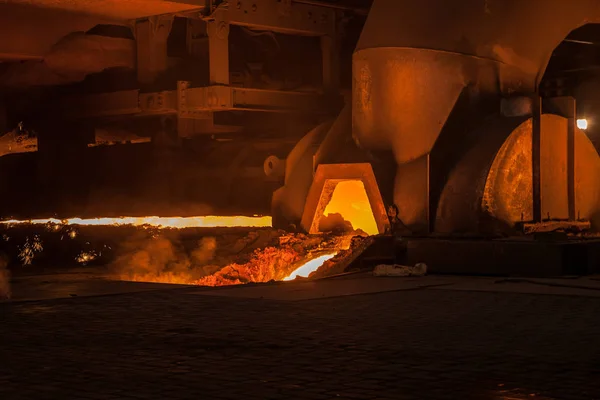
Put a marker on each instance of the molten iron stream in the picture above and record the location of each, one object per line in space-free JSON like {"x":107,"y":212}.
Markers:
{"x":310,"y":266}
{"x":211,"y":221}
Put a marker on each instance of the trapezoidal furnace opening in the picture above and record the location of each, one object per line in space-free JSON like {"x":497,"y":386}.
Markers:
{"x":348,"y":208}
{"x":344,"y":198}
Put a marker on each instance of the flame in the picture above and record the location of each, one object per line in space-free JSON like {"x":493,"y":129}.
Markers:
{"x":309,"y":266}
{"x":211,"y":221}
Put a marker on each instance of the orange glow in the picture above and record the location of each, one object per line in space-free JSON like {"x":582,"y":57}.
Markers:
{"x":350,"y":200}
{"x":309,"y":266}
{"x":210,"y":221}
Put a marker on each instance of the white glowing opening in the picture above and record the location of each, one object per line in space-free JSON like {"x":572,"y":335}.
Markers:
{"x":312,"y":265}
{"x":582,"y":123}
{"x":209,"y":221}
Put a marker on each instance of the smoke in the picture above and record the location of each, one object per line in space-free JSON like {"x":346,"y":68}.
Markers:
{"x":250,"y":258}
{"x":5,"y":292}
{"x":205,"y":251}
{"x":257,"y":256}
{"x":160,"y":259}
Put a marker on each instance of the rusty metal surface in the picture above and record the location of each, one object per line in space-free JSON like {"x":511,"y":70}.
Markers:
{"x":195,"y":102}
{"x":552,"y":226}
{"x":458,"y":210}
{"x":279,"y":16}
{"x":402,"y":98}
{"x":288,"y":202}
{"x":411,"y":194}
{"x":566,"y":107}
{"x":508,"y":190}
{"x":329,"y":144}
{"x":409,"y":78}
{"x":536,"y":154}
{"x":511,"y":32}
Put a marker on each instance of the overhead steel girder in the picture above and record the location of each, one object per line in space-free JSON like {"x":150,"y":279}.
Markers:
{"x":193,"y":102}
{"x":284,"y":16}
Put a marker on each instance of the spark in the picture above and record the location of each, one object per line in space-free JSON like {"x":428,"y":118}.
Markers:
{"x":28,"y":251}
{"x":86,"y":256}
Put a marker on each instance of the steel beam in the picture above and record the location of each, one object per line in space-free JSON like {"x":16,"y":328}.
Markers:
{"x":193,"y":103}
{"x":331,"y":63}
{"x":284,"y":16}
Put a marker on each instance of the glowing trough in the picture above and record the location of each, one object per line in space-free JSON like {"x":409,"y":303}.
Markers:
{"x":164,"y":222}
{"x":311,"y":265}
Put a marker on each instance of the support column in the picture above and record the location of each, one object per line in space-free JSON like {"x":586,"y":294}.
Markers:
{"x":536,"y":155}
{"x":218,"y":52}
{"x":565,"y":106}
{"x":331,"y":64}
{"x":411,"y":194}
{"x":571,"y":121}
{"x":151,"y":37}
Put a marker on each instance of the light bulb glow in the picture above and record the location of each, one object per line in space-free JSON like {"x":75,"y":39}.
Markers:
{"x":582,"y":123}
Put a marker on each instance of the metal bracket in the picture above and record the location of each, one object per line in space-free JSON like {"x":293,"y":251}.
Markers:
{"x":151,"y":38}
{"x":218,"y":51}
{"x":189,"y":120}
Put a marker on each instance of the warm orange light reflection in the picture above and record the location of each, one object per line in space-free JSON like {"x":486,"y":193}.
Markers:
{"x":351,"y":201}
{"x":311,"y":265}
{"x":210,"y":221}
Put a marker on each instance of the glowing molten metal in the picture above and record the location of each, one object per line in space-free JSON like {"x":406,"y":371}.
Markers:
{"x":311,"y":265}
{"x":210,"y":221}
{"x":350,"y":201}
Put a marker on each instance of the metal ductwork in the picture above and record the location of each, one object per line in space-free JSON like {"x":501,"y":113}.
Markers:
{"x":415,"y":58}
{"x":424,"y":68}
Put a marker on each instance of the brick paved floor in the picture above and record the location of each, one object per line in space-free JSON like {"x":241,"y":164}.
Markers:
{"x":418,"y":344}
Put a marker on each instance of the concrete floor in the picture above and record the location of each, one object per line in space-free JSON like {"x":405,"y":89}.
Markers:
{"x":76,"y":334}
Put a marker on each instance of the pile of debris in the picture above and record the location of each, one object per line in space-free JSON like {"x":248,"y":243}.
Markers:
{"x":195,"y":256}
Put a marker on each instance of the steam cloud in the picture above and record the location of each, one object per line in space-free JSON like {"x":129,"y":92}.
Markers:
{"x":255,"y":257}
{"x":161,"y":259}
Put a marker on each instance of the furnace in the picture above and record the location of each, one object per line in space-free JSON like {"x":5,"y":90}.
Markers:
{"x":317,"y":116}
{"x":350,"y":207}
